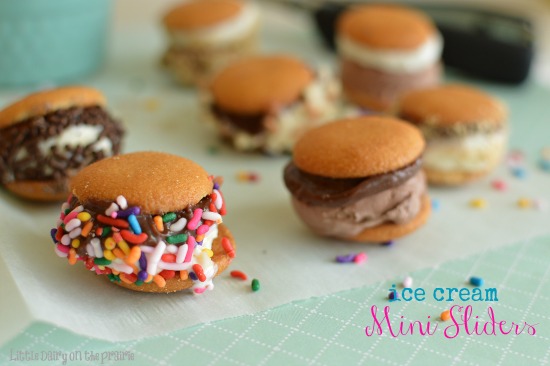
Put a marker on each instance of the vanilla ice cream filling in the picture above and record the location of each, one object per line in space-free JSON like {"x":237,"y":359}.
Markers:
{"x":394,"y":61}
{"x":232,"y":29}
{"x":472,"y":153}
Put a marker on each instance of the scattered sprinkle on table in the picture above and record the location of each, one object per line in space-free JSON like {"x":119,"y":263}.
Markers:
{"x":244,"y":176}
{"x":348,"y":258}
{"x":519,"y":172}
{"x":239,"y":274}
{"x":213,"y":150}
{"x":524,"y":202}
{"x":446,"y":315}
{"x":435,"y":204}
{"x":388,"y":243}
{"x":407,"y":282}
{"x":255,"y":285}
{"x":393,"y":295}
{"x":540,"y":204}
{"x":499,"y":185}
{"x":476,"y":281}
{"x":514,"y":158}
{"x":478,"y":203}
{"x":360,"y":258}
{"x":152,"y":104}
{"x":356,"y":258}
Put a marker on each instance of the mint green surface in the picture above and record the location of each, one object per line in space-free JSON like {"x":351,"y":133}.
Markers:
{"x":330,"y":330}
{"x":51,"y":41}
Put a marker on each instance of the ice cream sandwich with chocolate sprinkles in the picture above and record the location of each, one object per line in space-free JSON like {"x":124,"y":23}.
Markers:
{"x":48,"y":136}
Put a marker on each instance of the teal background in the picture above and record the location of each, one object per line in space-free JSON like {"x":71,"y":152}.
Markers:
{"x":330,"y":330}
{"x":43,"y":41}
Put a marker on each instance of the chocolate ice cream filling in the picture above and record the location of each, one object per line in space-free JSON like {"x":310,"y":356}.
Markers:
{"x":29,"y":149}
{"x":333,"y":192}
{"x":253,"y":123}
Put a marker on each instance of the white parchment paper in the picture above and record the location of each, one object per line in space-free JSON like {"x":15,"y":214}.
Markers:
{"x":273,"y":246}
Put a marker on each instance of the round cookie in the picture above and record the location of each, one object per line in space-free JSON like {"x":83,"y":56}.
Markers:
{"x":452,"y":105}
{"x":353,"y":148}
{"x":260,"y":84}
{"x":263,"y":103}
{"x":46,"y":101}
{"x":145,"y":179}
{"x":193,"y":15}
{"x":386,"y":27}
{"x":150,"y":221}
{"x":465,"y":130}
{"x":385,"y":51}
{"x":48,"y":136}
{"x":360,"y":179}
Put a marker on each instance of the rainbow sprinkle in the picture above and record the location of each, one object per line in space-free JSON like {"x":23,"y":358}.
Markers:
{"x":114,"y":243}
{"x":251,"y":177}
{"x":357,"y":258}
{"x":446,"y":315}
{"x":499,"y":185}
{"x":524,"y":202}
{"x":478,"y":203}
{"x":255,"y":285}
{"x":239,"y":274}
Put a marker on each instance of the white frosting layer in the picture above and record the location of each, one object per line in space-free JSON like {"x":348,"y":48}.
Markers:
{"x":478,"y":152}
{"x":79,"y":135}
{"x":395,"y":61}
{"x":232,"y":29}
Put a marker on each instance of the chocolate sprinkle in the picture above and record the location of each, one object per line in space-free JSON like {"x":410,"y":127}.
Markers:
{"x":61,"y":161}
{"x":432,"y":130}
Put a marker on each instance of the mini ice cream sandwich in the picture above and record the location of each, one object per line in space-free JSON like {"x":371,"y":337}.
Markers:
{"x":465,"y":130}
{"x":360,"y":179}
{"x":386,"y":50}
{"x":205,"y":35}
{"x":48,"y":136}
{"x":264,"y":103}
{"x":149,"y":221}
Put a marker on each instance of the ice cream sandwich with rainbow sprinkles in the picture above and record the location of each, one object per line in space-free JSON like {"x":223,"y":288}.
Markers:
{"x":149,"y":221}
